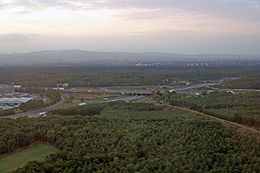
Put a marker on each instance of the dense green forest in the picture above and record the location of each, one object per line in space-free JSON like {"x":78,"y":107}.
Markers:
{"x":131,"y":137}
{"x":110,"y":76}
{"x":241,"y":108}
{"x":244,"y":83}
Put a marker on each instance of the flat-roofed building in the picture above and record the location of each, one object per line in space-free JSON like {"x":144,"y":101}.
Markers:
{"x":14,"y":100}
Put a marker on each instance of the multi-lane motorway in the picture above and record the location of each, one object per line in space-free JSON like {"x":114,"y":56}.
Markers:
{"x":37,"y":113}
{"x":129,"y":96}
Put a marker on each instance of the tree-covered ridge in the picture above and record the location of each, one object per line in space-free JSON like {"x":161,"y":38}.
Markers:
{"x":80,"y":76}
{"x":241,"y":108}
{"x":134,"y":138}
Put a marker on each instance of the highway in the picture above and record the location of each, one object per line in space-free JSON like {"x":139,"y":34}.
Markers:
{"x":199,"y":86}
{"x":137,"y":99}
{"x":36,"y":113}
{"x":252,"y":90}
{"x":127,"y":98}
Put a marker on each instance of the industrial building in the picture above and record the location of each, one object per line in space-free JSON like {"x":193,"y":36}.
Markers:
{"x":12,"y":102}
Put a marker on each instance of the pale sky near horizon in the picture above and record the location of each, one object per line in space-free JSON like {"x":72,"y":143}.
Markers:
{"x":180,"y":26}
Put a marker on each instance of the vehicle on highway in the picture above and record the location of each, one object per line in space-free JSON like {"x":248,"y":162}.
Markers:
{"x":44,"y":114}
{"x":82,"y":104}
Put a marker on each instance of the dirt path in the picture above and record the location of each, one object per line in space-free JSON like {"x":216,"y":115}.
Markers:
{"x":239,"y":127}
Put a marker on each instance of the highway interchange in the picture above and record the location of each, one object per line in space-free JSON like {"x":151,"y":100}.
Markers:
{"x":126,"y":95}
{"x":37,"y":113}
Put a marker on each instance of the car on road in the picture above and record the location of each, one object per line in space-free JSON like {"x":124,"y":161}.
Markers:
{"x":44,"y":114}
{"x":82,"y":104}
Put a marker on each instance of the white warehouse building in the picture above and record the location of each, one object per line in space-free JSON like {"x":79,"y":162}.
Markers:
{"x":14,"y":100}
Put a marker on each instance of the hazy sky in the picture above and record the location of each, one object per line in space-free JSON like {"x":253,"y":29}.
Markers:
{"x":181,"y":26}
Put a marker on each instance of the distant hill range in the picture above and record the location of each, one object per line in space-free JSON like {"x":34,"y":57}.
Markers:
{"x":81,"y":57}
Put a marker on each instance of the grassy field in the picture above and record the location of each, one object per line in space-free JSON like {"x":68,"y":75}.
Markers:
{"x":13,"y":161}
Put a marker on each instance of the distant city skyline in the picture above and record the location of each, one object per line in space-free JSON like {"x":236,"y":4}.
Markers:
{"x":183,"y":26}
